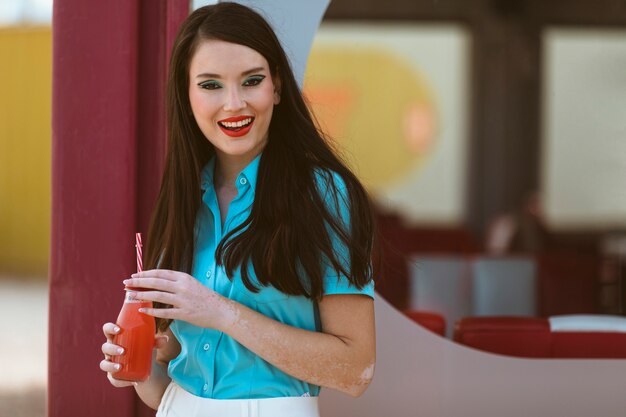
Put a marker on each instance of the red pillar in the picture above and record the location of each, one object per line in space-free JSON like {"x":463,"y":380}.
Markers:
{"x":109,"y":61}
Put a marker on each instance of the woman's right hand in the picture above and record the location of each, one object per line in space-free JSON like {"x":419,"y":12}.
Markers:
{"x":110,"y":350}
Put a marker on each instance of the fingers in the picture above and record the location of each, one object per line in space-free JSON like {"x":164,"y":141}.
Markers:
{"x":110,"y":330}
{"x":108,"y":348}
{"x":111,"y":349}
{"x":152,"y":283}
{"x":111,"y":368}
{"x":156,"y":296}
{"x":164,"y":313}
{"x":108,"y":366}
{"x":159,"y":273}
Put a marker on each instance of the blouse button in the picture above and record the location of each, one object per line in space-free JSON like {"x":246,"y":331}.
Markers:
{"x":207,"y":346}
{"x":208,"y":274}
{"x":205,"y":387}
{"x":243,"y":181}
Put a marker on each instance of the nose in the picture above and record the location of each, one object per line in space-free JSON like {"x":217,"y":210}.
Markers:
{"x":234,"y":100}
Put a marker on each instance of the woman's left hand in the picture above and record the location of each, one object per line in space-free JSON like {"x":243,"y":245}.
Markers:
{"x":190,"y":300}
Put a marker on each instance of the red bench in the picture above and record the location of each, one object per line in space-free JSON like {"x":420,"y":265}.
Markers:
{"x":434,"y":322}
{"x":534,"y":337}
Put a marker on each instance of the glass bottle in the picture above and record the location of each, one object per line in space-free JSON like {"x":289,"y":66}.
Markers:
{"x":136,"y":336}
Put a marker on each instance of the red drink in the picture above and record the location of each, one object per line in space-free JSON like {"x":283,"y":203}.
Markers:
{"x":136,"y":336}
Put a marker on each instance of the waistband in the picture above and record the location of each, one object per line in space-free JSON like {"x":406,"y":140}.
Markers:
{"x":177,"y":402}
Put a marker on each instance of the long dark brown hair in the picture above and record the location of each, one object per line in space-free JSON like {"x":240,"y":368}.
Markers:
{"x":295,"y":219}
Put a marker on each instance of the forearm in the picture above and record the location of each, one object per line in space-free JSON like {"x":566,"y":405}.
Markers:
{"x":328,"y":360}
{"x":342,"y":356}
{"x":151,"y":391}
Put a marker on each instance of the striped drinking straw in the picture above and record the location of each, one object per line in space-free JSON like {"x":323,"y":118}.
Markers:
{"x":139,"y":254}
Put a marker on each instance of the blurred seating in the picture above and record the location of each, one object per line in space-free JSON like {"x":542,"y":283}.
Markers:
{"x":461,"y":286}
{"x":560,"y":277}
{"x":588,"y":336}
{"x":557,"y":337}
{"x":504,"y":286}
{"x":441,"y":284}
{"x":514,"y":336}
{"x":434,"y":322}
{"x":568,"y":282}
{"x":399,"y":241}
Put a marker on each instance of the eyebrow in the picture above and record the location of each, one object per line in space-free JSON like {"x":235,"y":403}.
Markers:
{"x":248,"y":72}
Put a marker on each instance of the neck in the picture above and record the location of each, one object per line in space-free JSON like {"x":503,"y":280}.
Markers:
{"x":227,"y":169}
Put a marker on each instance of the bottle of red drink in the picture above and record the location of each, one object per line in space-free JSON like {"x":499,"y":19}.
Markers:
{"x":136,"y":336}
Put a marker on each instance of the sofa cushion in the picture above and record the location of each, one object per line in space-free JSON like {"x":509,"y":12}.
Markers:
{"x":514,"y":336}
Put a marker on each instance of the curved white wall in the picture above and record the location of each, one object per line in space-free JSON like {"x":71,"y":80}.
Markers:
{"x":419,"y":374}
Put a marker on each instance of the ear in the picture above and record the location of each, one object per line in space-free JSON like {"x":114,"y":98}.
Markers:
{"x":277,"y":88}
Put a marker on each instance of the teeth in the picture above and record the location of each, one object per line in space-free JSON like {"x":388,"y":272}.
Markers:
{"x":240,"y":123}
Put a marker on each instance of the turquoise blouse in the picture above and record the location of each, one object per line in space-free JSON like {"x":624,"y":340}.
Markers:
{"x":213,"y":365}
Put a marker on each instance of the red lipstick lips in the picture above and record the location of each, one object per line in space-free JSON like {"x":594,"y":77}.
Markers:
{"x":236,"y":126}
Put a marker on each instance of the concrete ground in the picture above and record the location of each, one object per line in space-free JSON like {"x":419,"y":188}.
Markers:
{"x":23,"y":346}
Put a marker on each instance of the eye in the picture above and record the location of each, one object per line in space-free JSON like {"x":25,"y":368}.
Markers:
{"x":210,"y":85}
{"x":253,"y":80}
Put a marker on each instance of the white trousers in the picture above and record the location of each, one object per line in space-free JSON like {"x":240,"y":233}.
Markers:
{"x":177,"y":402}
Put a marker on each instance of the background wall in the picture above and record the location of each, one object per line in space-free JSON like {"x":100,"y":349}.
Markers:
{"x":26,"y":74}
{"x":394,"y":97}
{"x":584,"y":149}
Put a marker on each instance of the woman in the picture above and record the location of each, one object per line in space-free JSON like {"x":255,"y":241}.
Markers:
{"x":261,"y":235}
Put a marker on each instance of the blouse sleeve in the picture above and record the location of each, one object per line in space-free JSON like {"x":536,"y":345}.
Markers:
{"x":335,"y":195}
